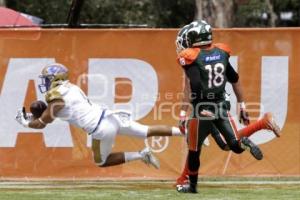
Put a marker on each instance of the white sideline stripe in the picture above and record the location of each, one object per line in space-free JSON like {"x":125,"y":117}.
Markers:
{"x":124,"y":184}
{"x":250,"y":182}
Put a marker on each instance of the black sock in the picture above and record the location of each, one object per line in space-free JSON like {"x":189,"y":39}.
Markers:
{"x":193,"y":180}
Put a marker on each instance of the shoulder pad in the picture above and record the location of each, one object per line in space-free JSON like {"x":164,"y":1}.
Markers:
{"x":224,"y":47}
{"x":188,"y":56}
{"x":53,"y":94}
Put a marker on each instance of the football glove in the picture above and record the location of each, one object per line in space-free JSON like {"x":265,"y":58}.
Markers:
{"x":21,"y":118}
{"x":182,"y":122}
{"x":243,"y":114}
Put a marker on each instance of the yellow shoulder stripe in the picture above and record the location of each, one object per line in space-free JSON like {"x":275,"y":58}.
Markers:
{"x":52,"y":95}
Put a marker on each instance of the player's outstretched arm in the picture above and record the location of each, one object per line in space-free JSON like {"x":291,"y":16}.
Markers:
{"x":48,"y":115}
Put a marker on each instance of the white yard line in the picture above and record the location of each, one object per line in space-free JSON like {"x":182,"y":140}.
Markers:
{"x":122,"y":184}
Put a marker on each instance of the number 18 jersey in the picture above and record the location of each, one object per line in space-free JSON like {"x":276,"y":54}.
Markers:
{"x":208,"y":71}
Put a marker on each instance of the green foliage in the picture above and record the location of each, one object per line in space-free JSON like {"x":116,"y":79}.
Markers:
{"x":154,"y":13}
{"x":249,"y":14}
{"x":53,"y":11}
{"x":116,"y":12}
{"x":288,"y":6}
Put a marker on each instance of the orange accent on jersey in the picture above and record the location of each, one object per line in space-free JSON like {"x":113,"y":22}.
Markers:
{"x":188,"y":56}
{"x":224,"y":47}
{"x":193,"y":134}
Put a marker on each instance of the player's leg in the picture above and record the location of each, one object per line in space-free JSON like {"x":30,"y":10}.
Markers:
{"x":133,"y":128}
{"x":220,"y":140}
{"x":126,"y":126}
{"x":226,"y":126}
{"x":197,"y":132}
{"x":267,"y":122}
{"x":184,"y":176}
{"x":193,"y":164}
{"x":144,"y":131}
{"x":104,"y":158}
{"x":163,"y":130}
{"x":191,"y":136}
{"x":102,"y":143}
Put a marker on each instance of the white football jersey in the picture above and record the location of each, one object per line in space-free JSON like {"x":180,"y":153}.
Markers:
{"x":78,"y":109}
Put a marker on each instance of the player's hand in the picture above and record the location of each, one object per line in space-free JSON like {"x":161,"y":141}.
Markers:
{"x":29,"y":117}
{"x":182,"y":122}
{"x":21,"y":117}
{"x":182,"y":126}
{"x":243,"y":115}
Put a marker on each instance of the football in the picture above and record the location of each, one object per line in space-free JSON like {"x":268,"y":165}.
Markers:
{"x":37,"y":108}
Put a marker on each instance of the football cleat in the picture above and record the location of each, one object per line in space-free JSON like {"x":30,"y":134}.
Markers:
{"x":248,"y":145}
{"x":186,"y":189}
{"x":271,"y":124}
{"x":148,"y":158}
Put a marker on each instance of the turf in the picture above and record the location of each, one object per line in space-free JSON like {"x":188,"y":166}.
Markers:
{"x":147,"y":190}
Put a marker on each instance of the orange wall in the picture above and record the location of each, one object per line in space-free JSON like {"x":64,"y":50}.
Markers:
{"x":32,"y":159}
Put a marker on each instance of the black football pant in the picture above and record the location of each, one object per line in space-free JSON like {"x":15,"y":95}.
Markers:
{"x":199,"y":128}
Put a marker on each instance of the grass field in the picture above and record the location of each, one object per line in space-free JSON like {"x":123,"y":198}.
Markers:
{"x":144,"y":190}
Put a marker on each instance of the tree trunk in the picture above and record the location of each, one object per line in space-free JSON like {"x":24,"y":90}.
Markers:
{"x":273,"y":15}
{"x":218,"y":13}
{"x":2,"y":3}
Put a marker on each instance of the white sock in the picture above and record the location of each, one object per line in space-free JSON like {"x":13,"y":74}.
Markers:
{"x":130,"y":156}
{"x":176,"y":131}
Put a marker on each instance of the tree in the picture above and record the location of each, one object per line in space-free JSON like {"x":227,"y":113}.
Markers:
{"x":54,"y":11}
{"x":3,"y":3}
{"x":218,"y":13}
{"x":166,"y":13}
{"x":273,"y":15}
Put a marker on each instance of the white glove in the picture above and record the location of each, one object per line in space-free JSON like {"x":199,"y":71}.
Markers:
{"x":29,"y":117}
{"x":21,"y":118}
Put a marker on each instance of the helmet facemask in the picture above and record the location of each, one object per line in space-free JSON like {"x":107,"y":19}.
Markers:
{"x":52,"y":75}
{"x":45,"y":83}
{"x":181,"y":40}
{"x":179,"y":44}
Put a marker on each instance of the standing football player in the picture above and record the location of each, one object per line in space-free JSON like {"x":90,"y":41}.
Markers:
{"x":207,"y":70}
{"x":68,"y":102}
{"x":266,"y":123}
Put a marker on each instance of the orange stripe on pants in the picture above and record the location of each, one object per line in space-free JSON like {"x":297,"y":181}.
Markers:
{"x":193,"y":134}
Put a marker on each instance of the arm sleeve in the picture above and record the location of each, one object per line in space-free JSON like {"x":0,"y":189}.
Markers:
{"x":231,"y":74}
